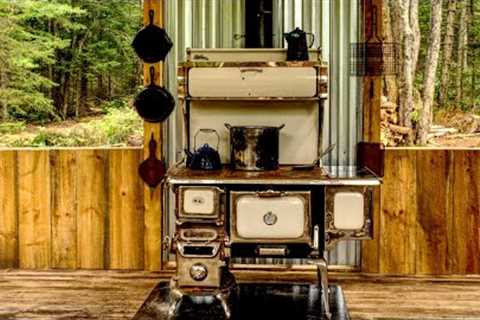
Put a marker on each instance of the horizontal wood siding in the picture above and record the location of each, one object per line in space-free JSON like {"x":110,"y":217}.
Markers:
{"x":85,"y":209}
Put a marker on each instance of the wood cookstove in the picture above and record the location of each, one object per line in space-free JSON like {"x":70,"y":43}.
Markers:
{"x":285,"y":213}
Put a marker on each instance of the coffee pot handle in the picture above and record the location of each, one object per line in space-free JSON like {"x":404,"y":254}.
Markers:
{"x":312,"y":42}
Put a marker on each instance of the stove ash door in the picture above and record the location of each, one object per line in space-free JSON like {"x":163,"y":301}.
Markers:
{"x":270,"y":217}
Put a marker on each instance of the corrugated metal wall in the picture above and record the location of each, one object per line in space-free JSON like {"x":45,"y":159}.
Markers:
{"x":335,"y":24}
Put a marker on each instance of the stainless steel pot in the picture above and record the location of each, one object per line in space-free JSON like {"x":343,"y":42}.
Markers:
{"x":254,"y":148}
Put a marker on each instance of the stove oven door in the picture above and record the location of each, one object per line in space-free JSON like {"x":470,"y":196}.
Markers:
{"x":348,"y":213}
{"x":271,"y":223}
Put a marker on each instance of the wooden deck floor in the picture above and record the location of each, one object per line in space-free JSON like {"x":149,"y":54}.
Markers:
{"x":117,"y":295}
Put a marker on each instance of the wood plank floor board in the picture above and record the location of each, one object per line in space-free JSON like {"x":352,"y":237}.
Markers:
{"x":118,"y":295}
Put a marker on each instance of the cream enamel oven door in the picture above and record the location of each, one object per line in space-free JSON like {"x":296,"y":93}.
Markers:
{"x":348,"y":213}
{"x":270,"y":217}
{"x":197,"y":203}
{"x":252,"y":82}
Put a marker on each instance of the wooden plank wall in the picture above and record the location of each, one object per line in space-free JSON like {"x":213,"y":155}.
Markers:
{"x":72,"y":209}
{"x":430,"y":214}
{"x":85,"y":209}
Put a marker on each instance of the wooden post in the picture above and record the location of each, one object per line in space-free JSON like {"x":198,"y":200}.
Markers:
{"x":372,"y":91}
{"x":153,"y":198}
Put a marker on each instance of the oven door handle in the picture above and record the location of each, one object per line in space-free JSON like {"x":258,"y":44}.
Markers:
{"x":270,"y":194}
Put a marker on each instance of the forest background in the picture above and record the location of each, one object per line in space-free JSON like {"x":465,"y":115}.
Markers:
{"x":68,"y":73}
{"x":434,"y":98}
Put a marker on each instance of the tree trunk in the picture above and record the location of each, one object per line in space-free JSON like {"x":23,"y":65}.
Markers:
{"x":51,"y":29}
{"x":431,"y":64}
{"x":110,"y":87}
{"x":65,"y":96}
{"x":100,"y":88}
{"x":3,"y":104}
{"x":406,"y":105}
{"x":58,"y":95}
{"x":447,"y":52}
{"x":462,"y":49}
{"x":390,"y":81}
{"x":414,"y":24}
{"x":83,"y":89}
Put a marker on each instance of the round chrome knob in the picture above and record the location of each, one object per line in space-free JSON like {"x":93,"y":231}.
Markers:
{"x":198,"y":272}
{"x":270,"y":218}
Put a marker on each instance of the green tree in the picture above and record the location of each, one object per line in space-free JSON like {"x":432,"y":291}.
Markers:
{"x":62,"y":58}
{"x":26,"y":50}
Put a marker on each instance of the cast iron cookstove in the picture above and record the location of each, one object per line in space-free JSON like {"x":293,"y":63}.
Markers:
{"x":283,"y":213}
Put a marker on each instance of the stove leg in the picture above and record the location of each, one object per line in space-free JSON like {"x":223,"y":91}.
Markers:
{"x":175,"y":298}
{"x":322,"y":277}
{"x":223,"y":298}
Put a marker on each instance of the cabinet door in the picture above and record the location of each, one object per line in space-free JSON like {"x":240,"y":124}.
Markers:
{"x":348,"y":213}
{"x":252,"y":82}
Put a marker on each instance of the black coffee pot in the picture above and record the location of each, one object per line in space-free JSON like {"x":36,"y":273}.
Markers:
{"x":297,"y":44}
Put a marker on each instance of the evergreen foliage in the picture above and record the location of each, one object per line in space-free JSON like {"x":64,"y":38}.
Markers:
{"x":61,"y":58}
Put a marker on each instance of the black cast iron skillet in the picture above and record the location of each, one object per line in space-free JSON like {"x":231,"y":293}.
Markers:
{"x":152,"y":43}
{"x":154,"y":104}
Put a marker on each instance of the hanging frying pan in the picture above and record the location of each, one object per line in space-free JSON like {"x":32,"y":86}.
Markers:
{"x":152,"y":170}
{"x":154,"y":104}
{"x":152,"y":43}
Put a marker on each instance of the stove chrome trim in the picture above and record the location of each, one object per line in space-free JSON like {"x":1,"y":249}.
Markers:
{"x":305,"y":196}
{"x":213,"y":235}
{"x":332,"y":234}
{"x":215,"y":246}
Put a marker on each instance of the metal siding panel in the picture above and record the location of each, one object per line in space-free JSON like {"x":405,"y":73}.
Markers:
{"x":226,"y":23}
{"x":187,"y":27}
{"x":239,"y":22}
{"x":307,"y":15}
{"x":316,"y":21}
{"x":211,"y":19}
{"x":298,"y":13}
{"x":332,"y":134}
{"x":278,"y":18}
{"x":289,"y":15}
{"x":342,"y":120}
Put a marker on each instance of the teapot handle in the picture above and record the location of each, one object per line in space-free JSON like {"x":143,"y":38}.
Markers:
{"x":313,"y":39}
{"x":206,"y":130}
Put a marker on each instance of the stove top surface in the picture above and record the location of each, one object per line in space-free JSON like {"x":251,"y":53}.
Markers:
{"x":285,"y":175}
